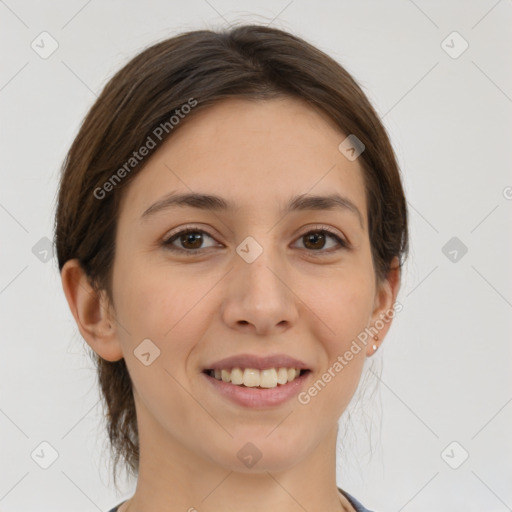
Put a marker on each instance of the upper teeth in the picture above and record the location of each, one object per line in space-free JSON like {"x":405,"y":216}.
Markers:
{"x":250,"y":377}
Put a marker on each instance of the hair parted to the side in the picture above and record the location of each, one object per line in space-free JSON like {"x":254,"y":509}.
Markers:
{"x":249,"y":61}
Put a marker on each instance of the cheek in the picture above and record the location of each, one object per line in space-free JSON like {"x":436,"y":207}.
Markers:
{"x":168,"y":308}
{"x":343,"y":305}
{"x":157,"y":308}
{"x":153,"y":301}
{"x":344,"y":309}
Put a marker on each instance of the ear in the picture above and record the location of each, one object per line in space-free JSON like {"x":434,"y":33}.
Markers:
{"x":384,"y":310}
{"x":92,"y":312}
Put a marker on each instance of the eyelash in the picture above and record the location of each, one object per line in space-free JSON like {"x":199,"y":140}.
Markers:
{"x":321,"y":229}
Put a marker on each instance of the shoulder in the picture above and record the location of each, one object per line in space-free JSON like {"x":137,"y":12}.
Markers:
{"x":356,"y":504}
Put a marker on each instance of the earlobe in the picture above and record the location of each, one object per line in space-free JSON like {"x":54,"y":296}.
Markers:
{"x":91,"y":312}
{"x":383,"y":313}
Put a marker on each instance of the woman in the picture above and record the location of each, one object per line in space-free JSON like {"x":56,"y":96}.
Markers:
{"x":230,"y":230}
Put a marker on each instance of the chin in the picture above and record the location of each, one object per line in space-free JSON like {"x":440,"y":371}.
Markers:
{"x":257,"y":455}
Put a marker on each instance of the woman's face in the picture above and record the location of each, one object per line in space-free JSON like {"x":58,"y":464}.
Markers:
{"x":256,"y":285}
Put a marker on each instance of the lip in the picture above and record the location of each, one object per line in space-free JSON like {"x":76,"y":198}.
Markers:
{"x":258,"y":398}
{"x":258,"y":362}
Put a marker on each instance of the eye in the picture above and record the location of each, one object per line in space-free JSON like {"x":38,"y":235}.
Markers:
{"x":192,"y":238}
{"x":315,"y":240}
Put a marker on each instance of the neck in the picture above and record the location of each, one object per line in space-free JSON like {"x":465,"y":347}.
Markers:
{"x":173,"y":477}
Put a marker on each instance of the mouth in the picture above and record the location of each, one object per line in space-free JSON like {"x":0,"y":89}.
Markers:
{"x":257,"y":389}
{"x":267,"y":378}
{"x":256,"y":380}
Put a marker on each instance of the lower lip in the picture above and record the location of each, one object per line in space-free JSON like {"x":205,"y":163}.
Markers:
{"x":259,"y":397}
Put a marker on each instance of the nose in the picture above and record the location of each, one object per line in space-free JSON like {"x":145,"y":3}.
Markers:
{"x":259,"y":297}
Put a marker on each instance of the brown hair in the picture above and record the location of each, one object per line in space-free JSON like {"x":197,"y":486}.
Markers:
{"x":252,"y":62}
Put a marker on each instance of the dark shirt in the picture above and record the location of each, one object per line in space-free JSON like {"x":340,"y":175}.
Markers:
{"x":351,"y":499}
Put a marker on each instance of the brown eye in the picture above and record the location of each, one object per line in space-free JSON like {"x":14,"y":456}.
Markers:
{"x":316,"y":240}
{"x":191,"y":240}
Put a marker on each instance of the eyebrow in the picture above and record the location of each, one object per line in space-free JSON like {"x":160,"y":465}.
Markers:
{"x":216,"y":203}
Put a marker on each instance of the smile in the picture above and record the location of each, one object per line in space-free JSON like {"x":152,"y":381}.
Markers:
{"x":251,"y":377}
{"x":254,"y":394}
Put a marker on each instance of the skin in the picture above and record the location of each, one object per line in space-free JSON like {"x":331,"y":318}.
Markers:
{"x":201,"y":308}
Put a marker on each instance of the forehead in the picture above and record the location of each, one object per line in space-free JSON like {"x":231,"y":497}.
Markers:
{"x":256,"y":153}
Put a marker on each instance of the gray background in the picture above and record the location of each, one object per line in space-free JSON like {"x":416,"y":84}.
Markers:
{"x":447,"y":359}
